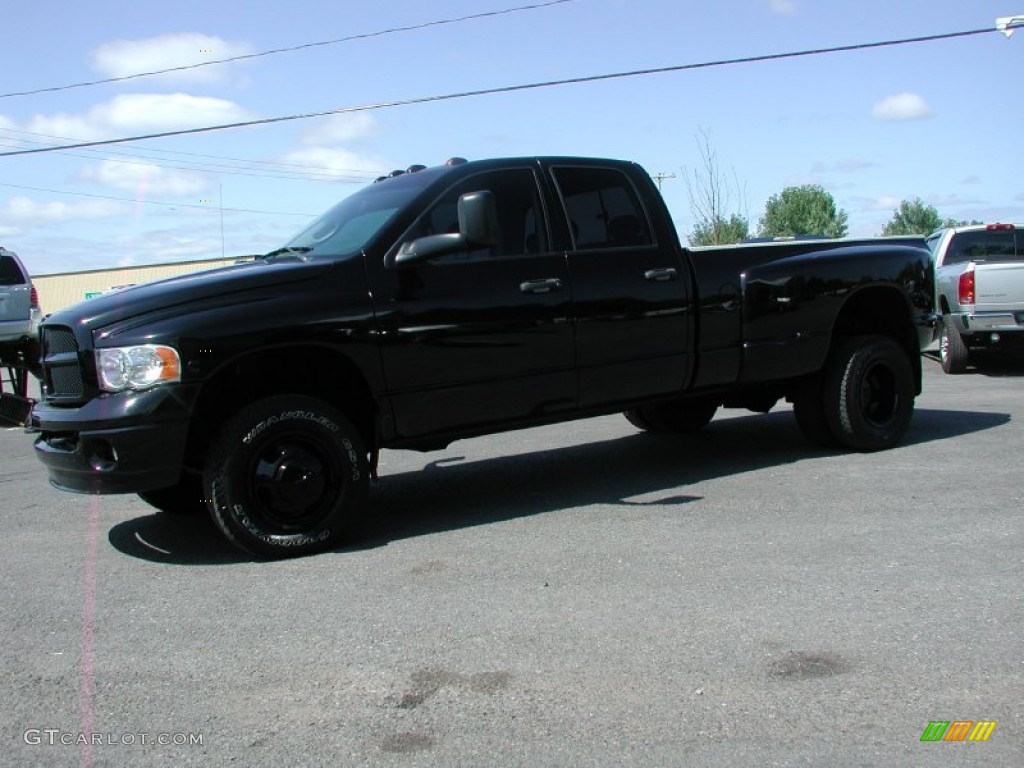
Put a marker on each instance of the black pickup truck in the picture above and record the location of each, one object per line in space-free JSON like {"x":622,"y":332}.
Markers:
{"x":446,"y":302}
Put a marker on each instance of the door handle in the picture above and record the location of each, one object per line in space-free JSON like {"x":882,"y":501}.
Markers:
{"x":660,"y":275}
{"x":541,"y":286}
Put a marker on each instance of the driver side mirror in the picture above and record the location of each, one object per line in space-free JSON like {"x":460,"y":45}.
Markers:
{"x":478,"y":227}
{"x":478,"y":218}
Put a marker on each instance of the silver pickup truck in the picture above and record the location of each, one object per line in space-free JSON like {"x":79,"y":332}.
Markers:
{"x":979,"y":284}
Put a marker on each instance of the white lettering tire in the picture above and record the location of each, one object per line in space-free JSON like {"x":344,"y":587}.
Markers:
{"x":286,"y":476}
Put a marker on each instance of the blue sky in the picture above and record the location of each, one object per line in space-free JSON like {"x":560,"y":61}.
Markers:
{"x":940,"y":121}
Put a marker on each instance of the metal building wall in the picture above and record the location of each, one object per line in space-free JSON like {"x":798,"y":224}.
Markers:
{"x":62,"y":290}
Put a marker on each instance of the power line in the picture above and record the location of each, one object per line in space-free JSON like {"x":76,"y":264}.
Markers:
{"x":304,"y":46}
{"x":510,"y":89}
{"x":154,"y":202}
{"x":319,"y":174}
{"x":254,"y":168}
{"x":307,"y":169}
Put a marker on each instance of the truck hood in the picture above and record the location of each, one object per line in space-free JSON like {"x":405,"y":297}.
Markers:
{"x":179,"y":294}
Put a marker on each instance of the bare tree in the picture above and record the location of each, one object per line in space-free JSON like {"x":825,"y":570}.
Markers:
{"x":712,"y":199}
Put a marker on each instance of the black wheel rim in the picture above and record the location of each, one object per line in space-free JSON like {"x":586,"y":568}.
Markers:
{"x":879,"y":396}
{"x":294,"y":480}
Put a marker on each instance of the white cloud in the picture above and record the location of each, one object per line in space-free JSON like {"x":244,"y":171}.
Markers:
{"x":26,"y":211}
{"x":888,"y":203}
{"x":946,"y":204}
{"x":121,"y":58}
{"x":337,"y":129}
{"x":176,"y":244}
{"x":799,"y":179}
{"x":944,"y":201}
{"x":144,"y":179}
{"x":139,"y":113}
{"x":849,"y":165}
{"x":902,"y":106}
{"x":62,"y":126}
{"x":783,"y":7}
{"x":168,"y":111}
{"x":334,"y":161}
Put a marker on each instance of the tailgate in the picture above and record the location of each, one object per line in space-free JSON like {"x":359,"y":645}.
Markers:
{"x":999,"y":287}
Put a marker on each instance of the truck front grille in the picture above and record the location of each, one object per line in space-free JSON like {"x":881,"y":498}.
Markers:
{"x":58,"y":341}
{"x":62,"y":370}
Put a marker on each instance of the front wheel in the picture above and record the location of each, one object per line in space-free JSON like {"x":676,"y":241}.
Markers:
{"x":868,"y":393}
{"x":288,"y":475}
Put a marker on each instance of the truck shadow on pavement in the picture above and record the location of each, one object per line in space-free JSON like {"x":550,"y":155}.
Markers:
{"x":457,"y":492}
{"x":991,"y":364}
{"x":447,"y":496}
{"x":187,"y":539}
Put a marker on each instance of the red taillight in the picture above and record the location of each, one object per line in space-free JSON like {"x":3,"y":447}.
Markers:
{"x":965,"y":292}
{"x":1000,"y":227}
{"x":35,"y":298}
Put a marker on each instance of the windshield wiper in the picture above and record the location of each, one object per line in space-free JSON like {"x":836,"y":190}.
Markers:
{"x":286,"y":249}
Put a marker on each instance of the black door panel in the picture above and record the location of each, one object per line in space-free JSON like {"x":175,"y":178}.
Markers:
{"x":481,"y":336}
{"x":631,"y":306}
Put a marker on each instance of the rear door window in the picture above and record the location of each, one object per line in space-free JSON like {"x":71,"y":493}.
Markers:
{"x":603,"y":208}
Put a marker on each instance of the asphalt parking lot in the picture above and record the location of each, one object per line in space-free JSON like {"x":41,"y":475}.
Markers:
{"x":579,"y":595}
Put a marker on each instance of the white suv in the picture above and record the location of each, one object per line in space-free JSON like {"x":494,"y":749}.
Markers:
{"x":19,"y":304}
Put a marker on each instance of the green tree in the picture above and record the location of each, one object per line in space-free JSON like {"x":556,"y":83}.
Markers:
{"x":803,"y":210}
{"x":913,"y":217}
{"x":720,"y":231}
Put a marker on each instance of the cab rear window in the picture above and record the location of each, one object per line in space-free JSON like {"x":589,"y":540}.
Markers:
{"x":984,"y":245}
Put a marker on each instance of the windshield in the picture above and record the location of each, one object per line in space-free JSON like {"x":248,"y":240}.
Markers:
{"x":351,"y":224}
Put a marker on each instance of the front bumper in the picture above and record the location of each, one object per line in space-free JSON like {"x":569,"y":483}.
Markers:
{"x":124,"y":443}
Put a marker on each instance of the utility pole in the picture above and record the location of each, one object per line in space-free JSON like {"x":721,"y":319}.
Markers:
{"x":222,"y":220}
{"x":659,"y":177}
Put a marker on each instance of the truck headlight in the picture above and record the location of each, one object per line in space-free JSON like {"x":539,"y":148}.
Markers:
{"x":138,"y":367}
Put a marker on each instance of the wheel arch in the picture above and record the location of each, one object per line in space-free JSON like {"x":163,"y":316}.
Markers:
{"x":316,"y":370}
{"x":881,"y":311}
